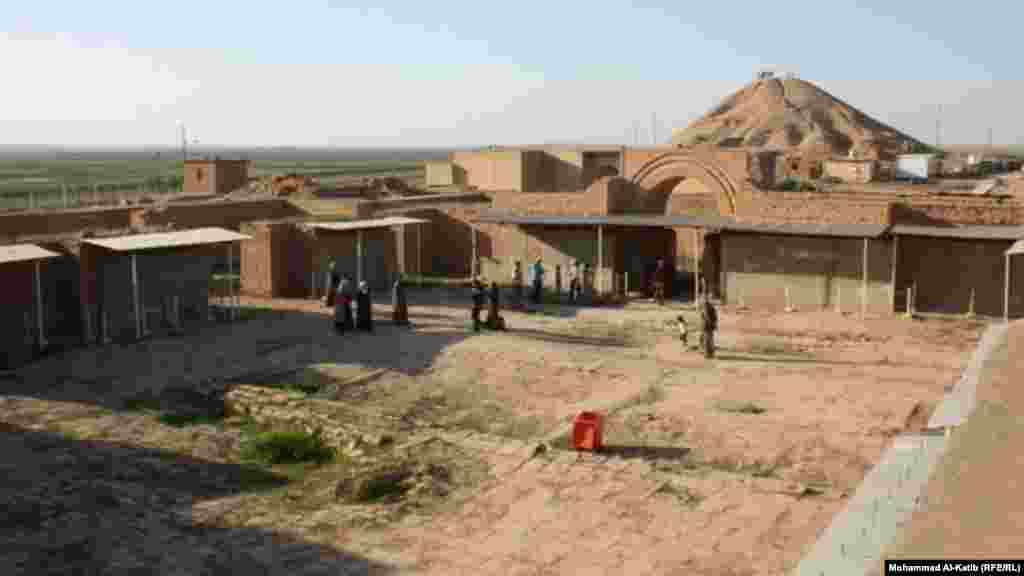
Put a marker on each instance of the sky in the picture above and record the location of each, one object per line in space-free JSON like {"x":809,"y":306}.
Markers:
{"x":449,"y":73}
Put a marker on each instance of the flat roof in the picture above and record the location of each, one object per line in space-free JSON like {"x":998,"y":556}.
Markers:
{"x":809,"y":229}
{"x":24,"y":253}
{"x":1017,"y":248}
{"x":632,"y":220}
{"x":365,"y":224}
{"x":195,"y":237}
{"x":962,"y":232}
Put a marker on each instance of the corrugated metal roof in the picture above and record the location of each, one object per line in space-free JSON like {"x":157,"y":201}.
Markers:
{"x":808,"y":229}
{"x":1017,"y":248}
{"x":194,"y":237}
{"x":24,"y":253}
{"x":365,"y":224}
{"x":632,"y":220}
{"x":962,"y":232}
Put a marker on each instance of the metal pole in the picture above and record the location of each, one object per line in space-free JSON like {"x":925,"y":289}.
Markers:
{"x":135,"y":298}
{"x":600,"y":257}
{"x":359,"y":256}
{"x":864,"y":285}
{"x":419,"y":251}
{"x":696,"y":269}
{"x":231,"y":285}
{"x":64,"y":193}
{"x":1006,"y":292}
{"x":473,"y":264}
{"x":895,"y":255}
{"x":39,"y":307}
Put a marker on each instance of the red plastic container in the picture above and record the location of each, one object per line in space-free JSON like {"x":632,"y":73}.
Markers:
{"x":588,"y":431}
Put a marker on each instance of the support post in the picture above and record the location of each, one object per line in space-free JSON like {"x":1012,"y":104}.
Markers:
{"x":231,"y":285}
{"x":359,"y":256}
{"x":600,"y":258}
{"x":476,"y":257}
{"x":626,"y":284}
{"x":864,"y":285}
{"x":1006,"y":292}
{"x":839,"y":298}
{"x":895,"y":256}
{"x":696,"y":268}
{"x":64,"y":193}
{"x":39,"y":307}
{"x":135,"y":297}
{"x":419,"y":252}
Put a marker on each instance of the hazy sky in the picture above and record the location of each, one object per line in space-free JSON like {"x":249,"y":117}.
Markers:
{"x":419,"y":73}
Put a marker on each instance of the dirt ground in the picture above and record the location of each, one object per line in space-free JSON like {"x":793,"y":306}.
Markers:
{"x":729,"y":466}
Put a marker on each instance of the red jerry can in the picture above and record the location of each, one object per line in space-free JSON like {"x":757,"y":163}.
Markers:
{"x":588,"y":431}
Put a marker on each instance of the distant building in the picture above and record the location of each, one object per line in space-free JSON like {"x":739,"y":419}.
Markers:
{"x":917,"y":167}
{"x":215,"y":177}
{"x":852,"y":170}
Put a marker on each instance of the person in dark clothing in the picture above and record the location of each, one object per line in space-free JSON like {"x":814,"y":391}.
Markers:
{"x":575,"y":279}
{"x":478,"y":302}
{"x":342,"y":307}
{"x":517,"y":282}
{"x":709,"y":324}
{"x":494,"y":320}
{"x":335,"y":279}
{"x":538,"y":280}
{"x":659,"y":282}
{"x":364,"y":308}
{"x":399,"y":305}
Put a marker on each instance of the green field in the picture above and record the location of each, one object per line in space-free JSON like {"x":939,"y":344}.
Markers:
{"x":45,"y":182}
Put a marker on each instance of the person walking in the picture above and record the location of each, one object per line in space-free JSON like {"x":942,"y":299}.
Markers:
{"x":538,"y":280}
{"x":659,"y":282}
{"x":574,"y":282}
{"x":517,"y":282}
{"x":684,"y":331}
{"x":494,"y":320}
{"x":342,"y":307}
{"x":364,"y":308}
{"x":333,"y":279}
{"x":478,"y":302}
{"x":399,"y":305}
{"x":709,"y":324}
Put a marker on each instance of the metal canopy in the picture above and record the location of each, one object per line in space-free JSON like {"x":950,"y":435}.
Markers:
{"x":809,"y":229}
{"x":962,"y":232}
{"x":196,"y":237}
{"x":365,"y":224}
{"x":633,"y":220}
{"x":24,"y":253}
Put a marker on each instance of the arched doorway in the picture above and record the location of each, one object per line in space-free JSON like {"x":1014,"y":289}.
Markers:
{"x":661,"y":177}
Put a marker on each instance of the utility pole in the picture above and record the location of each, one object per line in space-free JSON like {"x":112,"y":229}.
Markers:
{"x":990,"y":140}
{"x":654,"y":129}
{"x":184,"y":144}
{"x":938,"y":127}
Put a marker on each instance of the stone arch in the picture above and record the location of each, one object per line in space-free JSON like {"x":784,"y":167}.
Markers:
{"x":659,"y":176}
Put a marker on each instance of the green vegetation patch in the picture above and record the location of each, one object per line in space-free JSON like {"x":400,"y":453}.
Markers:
{"x":286,"y":447}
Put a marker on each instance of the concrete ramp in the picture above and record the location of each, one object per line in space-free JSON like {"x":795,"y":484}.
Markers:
{"x":853,"y":543}
{"x":959,"y":403}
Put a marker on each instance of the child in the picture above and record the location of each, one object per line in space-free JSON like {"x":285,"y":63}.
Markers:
{"x":683,"y":330}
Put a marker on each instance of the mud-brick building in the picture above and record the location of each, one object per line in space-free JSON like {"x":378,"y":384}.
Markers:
{"x":141,"y":284}
{"x":291,"y":258}
{"x":22,"y":322}
{"x":215,"y":176}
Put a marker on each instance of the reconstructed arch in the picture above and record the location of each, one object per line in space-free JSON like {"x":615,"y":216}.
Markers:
{"x":661,"y":174}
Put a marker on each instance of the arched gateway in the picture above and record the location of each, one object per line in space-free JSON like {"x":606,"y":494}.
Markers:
{"x":659,"y":176}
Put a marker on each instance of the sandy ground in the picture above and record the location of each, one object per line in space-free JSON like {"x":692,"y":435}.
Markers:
{"x":730,"y":466}
{"x":972,"y":507}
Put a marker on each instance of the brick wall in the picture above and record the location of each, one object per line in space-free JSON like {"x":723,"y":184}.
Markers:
{"x":228,"y":215}
{"x":257,"y":269}
{"x":816,"y":207}
{"x":966,"y":211}
{"x":48,"y":223}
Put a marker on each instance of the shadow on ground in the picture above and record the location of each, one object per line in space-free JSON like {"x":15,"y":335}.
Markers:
{"x":557,"y":338}
{"x":94,"y":507}
{"x":788,"y":359}
{"x":645,"y":452}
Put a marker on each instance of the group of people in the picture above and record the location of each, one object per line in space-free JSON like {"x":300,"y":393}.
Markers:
{"x":494,"y":321}
{"x":577,"y":272}
{"x":340,"y":295}
{"x":709,"y":325}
